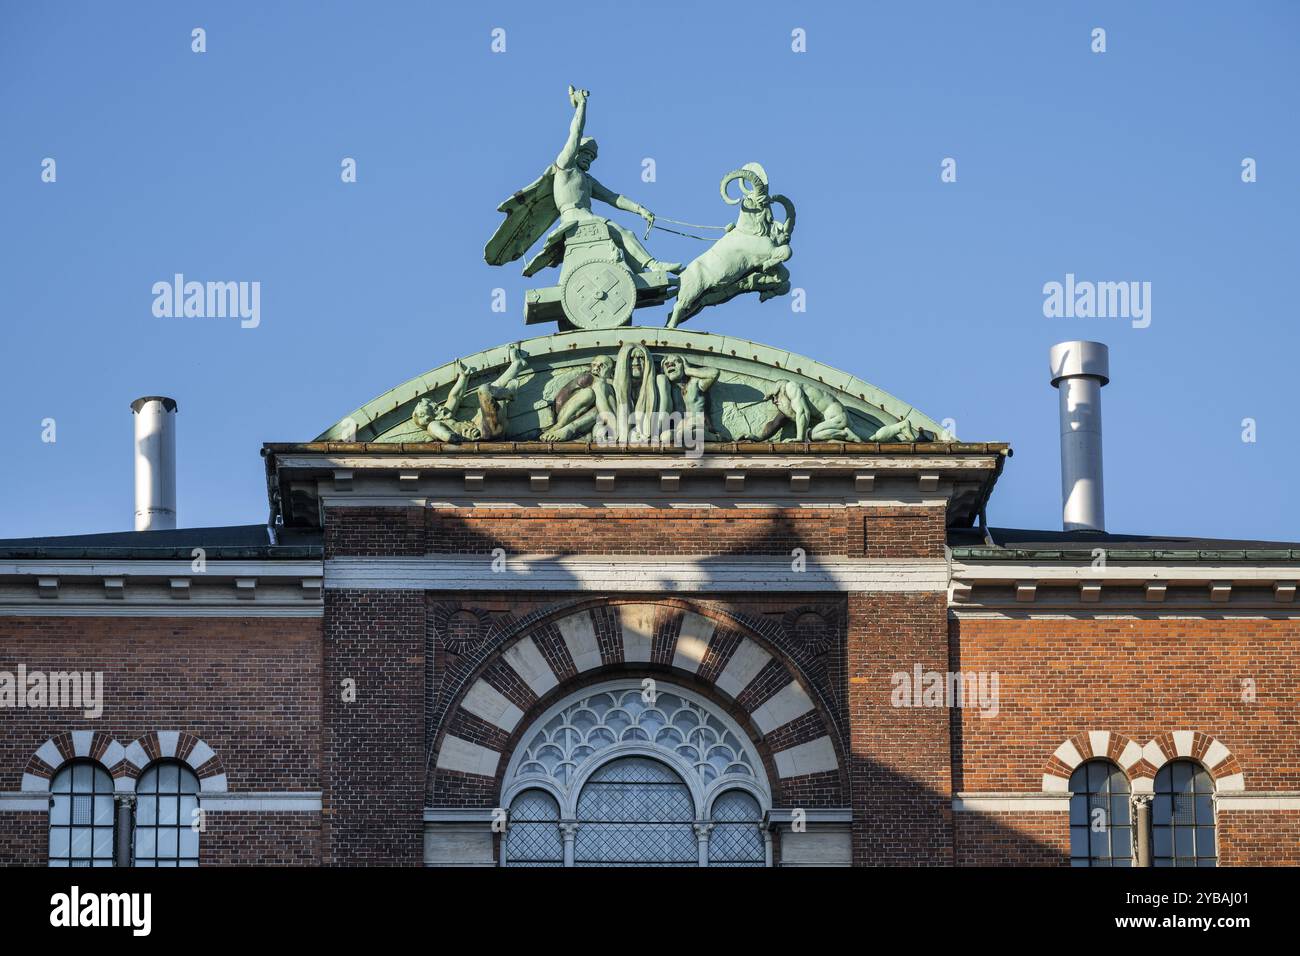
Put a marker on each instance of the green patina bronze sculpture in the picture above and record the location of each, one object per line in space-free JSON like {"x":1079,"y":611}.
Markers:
{"x":597,"y":289}
{"x":489,"y":421}
{"x":748,"y":258}
{"x":597,"y":383}
{"x":605,"y":270}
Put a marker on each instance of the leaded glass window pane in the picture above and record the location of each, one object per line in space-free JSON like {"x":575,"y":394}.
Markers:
{"x":1100,"y":830}
{"x":635,"y":812}
{"x":736,"y":839}
{"x":533,"y":835}
{"x":1182,"y":828}
{"x":81,"y":816}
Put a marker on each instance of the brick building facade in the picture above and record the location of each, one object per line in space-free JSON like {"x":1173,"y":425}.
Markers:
{"x":779,"y":653}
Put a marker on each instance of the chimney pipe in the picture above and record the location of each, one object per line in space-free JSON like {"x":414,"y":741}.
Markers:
{"x":1079,"y":370}
{"x":155,"y":463}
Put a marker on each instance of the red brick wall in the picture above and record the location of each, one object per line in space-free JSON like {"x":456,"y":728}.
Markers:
{"x":24,"y":838}
{"x":1140,"y":678}
{"x":260,"y":839}
{"x":374,"y":746}
{"x":1143,"y":679}
{"x":1038,"y":838}
{"x":1259,"y":837}
{"x":374,"y":532}
{"x":900,"y":766}
{"x":627,"y":531}
{"x":248,"y":687}
{"x":904,"y":532}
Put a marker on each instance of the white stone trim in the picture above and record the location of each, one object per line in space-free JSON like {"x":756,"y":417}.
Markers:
{"x":484,"y":815}
{"x":638,"y":573}
{"x":784,"y":816}
{"x":1154,"y":754}
{"x":1246,"y":800}
{"x":1215,"y":754}
{"x":167,"y":741}
{"x":637,"y":622}
{"x":276,"y":801}
{"x":1068,"y":754}
{"x":1052,"y":783}
{"x":67,"y":568}
{"x":579,"y":634}
{"x":113,"y":754}
{"x":135,"y":755}
{"x":1135,"y":574}
{"x":884,"y":465}
{"x":466,"y":756}
{"x":693,"y":641}
{"x":526,"y":660}
{"x":1183,"y":742}
{"x":1131,"y":754}
{"x":1117,"y":612}
{"x":1011,"y":802}
{"x":199,"y":754}
{"x":1099,"y":741}
{"x":214,"y":784}
{"x":746,"y":661}
{"x":177,"y":609}
{"x":1234,"y":782}
{"x":790,"y":702}
{"x":22,"y":801}
{"x":815,"y":756}
{"x":486,"y":702}
{"x":49,"y":754}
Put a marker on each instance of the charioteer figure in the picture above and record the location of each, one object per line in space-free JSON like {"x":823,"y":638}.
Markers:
{"x":597,"y":288}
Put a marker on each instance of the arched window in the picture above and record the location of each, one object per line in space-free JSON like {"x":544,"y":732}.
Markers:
{"x":737,"y":838}
{"x":616,"y":775}
{"x":1182,"y":816}
{"x":533,"y":838}
{"x":81,"y":815}
{"x":1101,"y":832}
{"x":635,"y":812}
{"x":166,"y":825}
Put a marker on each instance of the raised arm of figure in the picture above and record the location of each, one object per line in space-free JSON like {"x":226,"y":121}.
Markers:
{"x":569,"y":154}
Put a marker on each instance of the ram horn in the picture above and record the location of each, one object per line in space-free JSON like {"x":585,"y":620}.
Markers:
{"x":788,"y":206}
{"x":746,"y":175}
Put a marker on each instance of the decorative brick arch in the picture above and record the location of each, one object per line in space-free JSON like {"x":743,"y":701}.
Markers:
{"x":124,"y":764}
{"x":1140,"y":762}
{"x":176,"y":745}
{"x":71,"y":745}
{"x":546,"y":656}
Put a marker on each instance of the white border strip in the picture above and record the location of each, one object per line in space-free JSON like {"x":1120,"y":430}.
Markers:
{"x":285,"y":801}
{"x":1115,"y":572}
{"x":1258,"y":800}
{"x":178,"y":567}
{"x":243,"y":609}
{"x":1011,"y":803}
{"x":621,"y":573}
{"x":282,"y":801}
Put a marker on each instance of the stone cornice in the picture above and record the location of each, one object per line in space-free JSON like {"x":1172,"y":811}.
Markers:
{"x":634,"y":574}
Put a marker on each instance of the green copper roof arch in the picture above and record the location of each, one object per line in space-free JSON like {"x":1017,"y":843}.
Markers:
{"x":744,"y":367}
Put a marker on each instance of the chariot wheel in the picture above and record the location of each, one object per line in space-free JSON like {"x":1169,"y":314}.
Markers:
{"x":598,"y":295}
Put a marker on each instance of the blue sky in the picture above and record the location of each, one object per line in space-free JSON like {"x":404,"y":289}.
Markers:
{"x":1120,"y":166}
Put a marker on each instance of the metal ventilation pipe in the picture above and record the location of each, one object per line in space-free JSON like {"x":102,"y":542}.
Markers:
{"x":155,"y":463}
{"x":1079,"y":370}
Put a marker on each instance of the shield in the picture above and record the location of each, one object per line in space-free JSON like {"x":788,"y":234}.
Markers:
{"x":529,"y":213}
